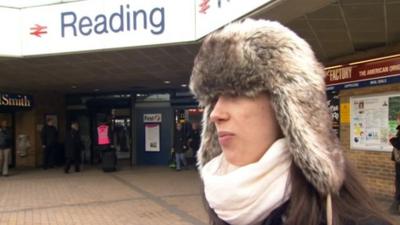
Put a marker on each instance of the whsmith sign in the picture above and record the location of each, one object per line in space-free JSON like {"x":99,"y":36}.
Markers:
{"x":15,"y":101}
{"x":104,"y":24}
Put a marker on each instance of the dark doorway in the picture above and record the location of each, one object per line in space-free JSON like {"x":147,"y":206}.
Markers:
{"x":9,"y":117}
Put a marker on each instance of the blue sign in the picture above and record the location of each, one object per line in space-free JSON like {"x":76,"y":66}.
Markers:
{"x":366,"y":83}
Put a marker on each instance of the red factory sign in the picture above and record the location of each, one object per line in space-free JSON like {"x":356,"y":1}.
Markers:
{"x":367,"y":71}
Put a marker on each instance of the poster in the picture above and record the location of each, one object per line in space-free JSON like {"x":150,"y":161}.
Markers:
{"x":333,"y":105}
{"x":345,"y":113}
{"x":152,"y":137}
{"x":373,"y":121}
{"x":394,"y":110}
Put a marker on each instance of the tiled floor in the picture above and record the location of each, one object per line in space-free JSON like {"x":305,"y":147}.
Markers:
{"x":145,"y":195}
{"x":141,"y":195}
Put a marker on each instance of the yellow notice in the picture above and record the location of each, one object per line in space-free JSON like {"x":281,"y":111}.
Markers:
{"x":345,"y":112}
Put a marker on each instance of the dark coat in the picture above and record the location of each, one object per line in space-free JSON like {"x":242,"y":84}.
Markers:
{"x":49,"y":135}
{"x":5,"y":138}
{"x":195,"y":139}
{"x":73,"y":144}
{"x":180,"y":141}
{"x":278,"y":215}
{"x":395,"y":141}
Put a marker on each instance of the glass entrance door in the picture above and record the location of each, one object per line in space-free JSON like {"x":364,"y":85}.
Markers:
{"x":121,"y":136}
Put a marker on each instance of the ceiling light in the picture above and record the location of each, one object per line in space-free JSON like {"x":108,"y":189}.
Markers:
{"x":374,"y":59}
{"x":74,"y":87}
{"x":183,"y":85}
{"x":167,"y":82}
{"x":332,"y":67}
{"x":96,"y":90}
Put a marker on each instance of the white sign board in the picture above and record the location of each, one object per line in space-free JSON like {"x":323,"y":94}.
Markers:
{"x":213,"y":14}
{"x":152,"y":135}
{"x":10,"y":44}
{"x":83,"y":26}
{"x":373,"y":121}
{"x":104,"y":24}
{"x":152,"y":118}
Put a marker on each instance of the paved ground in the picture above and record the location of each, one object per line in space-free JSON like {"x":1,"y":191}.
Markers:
{"x":142,"y":196}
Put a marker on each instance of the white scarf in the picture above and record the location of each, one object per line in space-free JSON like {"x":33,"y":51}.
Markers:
{"x":247,"y":195}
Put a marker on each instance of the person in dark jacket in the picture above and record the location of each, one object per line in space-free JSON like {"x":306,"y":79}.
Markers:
{"x":194,"y":138}
{"x":268,"y":154}
{"x":73,"y":148}
{"x":180,"y":147}
{"x":49,"y":136}
{"x":395,"y":141}
{"x":5,"y":147}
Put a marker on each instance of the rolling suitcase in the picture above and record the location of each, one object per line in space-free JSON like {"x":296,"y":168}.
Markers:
{"x":109,"y":161}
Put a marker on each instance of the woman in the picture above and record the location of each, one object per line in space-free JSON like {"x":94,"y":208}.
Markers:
{"x":395,"y":141}
{"x":268,"y":154}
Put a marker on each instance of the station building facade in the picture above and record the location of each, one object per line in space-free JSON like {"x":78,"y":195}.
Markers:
{"x":363,"y":96}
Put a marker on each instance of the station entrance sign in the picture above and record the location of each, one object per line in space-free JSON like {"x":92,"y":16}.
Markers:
{"x":90,"y":25}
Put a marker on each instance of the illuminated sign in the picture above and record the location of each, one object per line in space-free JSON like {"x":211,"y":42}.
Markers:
{"x":152,"y":118}
{"x":96,"y":25}
{"x":83,"y":26}
{"x":213,"y":14}
{"x":363,"y":72}
{"x":123,"y":20}
{"x":8,"y":100}
{"x":10,"y":44}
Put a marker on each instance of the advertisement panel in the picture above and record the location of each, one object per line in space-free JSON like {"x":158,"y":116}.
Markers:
{"x":373,"y":121}
{"x":152,"y":137}
{"x":333,"y":105}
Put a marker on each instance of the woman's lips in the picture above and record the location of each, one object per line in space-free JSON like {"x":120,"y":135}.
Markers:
{"x":225,"y":137}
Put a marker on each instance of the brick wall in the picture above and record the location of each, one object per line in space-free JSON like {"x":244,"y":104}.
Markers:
{"x":375,"y":168}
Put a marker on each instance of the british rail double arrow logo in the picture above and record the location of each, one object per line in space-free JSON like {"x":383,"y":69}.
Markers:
{"x":38,"y":30}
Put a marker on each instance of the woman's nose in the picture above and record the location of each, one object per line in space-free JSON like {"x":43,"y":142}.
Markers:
{"x":219,"y":112}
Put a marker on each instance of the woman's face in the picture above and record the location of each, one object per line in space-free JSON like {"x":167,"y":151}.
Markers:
{"x":246,"y":127}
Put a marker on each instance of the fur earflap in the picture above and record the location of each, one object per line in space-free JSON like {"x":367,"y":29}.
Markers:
{"x":249,"y":57}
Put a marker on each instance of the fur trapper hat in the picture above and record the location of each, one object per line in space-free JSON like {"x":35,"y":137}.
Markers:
{"x":250,"y":57}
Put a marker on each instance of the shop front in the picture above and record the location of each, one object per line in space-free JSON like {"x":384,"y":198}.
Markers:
{"x":10,"y":104}
{"x":140,"y":125}
{"x":365,"y":99}
{"x":112,"y":111}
